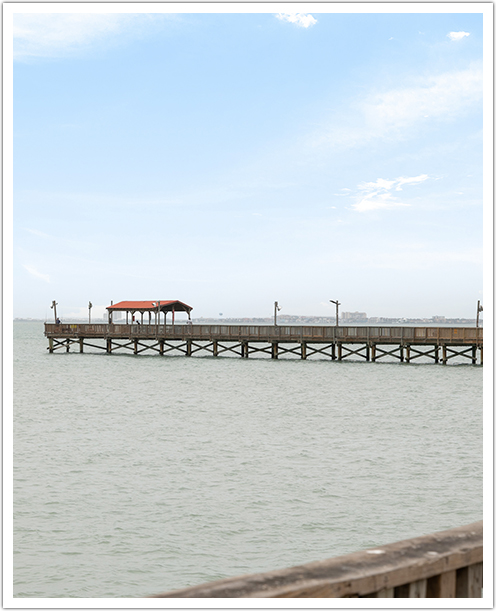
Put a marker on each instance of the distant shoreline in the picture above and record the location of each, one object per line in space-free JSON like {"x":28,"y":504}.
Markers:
{"x":295,"y":320}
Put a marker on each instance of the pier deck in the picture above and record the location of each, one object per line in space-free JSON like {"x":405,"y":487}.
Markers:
{"x":370,"y":343}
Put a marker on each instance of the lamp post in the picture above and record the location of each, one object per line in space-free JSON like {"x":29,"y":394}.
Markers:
{"x":90,"y":305}
{"x":276,"y":309}
{"x":337,"y":310}
{"x":54,"y":308}
{"x":479,"y":309}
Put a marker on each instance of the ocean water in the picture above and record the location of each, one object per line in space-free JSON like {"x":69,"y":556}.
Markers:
{"x":135,"y":475}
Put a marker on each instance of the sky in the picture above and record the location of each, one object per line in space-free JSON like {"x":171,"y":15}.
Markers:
{"x":230,"y":160}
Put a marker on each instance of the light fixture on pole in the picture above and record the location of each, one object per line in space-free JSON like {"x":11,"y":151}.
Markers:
{"x":337,"y":310}
{"x":479,"y":309}
{"x":90,"y":305}
{"x":54,"y":308}
{"x":276,"y":309}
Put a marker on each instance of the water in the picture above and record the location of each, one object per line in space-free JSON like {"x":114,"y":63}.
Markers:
{"x":138,"y":475}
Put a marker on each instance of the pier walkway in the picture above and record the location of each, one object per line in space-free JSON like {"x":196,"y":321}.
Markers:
{"x":439,"y":344}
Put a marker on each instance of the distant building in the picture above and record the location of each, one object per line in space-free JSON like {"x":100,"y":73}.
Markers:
{"x":439,"y":319}
{"x":354,"y":316}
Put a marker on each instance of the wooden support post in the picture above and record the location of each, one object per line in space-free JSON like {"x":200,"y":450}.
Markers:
{"x":50,"y":345}
{"x":408,"y":354}
{"x":401,"y":354}
{"x":303,"y":350}
{"x":481,"y":356}
{"x":442,"y":586}
{"x":215,"y":348}
{"x":67,"y":344}
{"x":81,"y":344}
{"x":109,"y":346}
{"x":333,"y":351}
{"x":275,"y":351}
{"x":469,"y":581}
{"x":135,"y":346}
{"x":436,"y":354}
{"x":340,"y":351}
{"x":367,"y":353}
{"x":161,"y":347}
{"x":474,"y":355}
{"x":188,"y":347}
{"x":445,"y":355}
{"x":373,"y":353}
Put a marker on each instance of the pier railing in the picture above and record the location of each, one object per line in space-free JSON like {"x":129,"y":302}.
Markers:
{"x":446,"y":564}
{"x":418,"y":335}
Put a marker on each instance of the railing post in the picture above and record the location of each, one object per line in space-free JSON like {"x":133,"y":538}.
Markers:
{"x":469,"y":581}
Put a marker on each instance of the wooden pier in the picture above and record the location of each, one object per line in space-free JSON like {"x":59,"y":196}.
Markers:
{"x":404,"y":344}
{"x":446,"y":564}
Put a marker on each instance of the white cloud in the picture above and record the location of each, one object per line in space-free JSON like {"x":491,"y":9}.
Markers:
{"x":299,"y":19}
{"x":38,"y":233}
{"x":397,"y":113}
{"x":376,"y":195}
{"x":457,"y":35}
{"x":34,"y":272}
{"x":57,"y":34}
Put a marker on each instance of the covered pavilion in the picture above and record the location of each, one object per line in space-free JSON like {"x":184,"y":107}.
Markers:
{"x":152,"y":307}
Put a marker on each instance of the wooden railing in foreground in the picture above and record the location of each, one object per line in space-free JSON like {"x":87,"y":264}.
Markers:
{"x":446,"y":564}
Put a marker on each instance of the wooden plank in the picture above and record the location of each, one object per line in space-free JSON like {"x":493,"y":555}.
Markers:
{"x":469,"y":581}
{"x":442,"y":586}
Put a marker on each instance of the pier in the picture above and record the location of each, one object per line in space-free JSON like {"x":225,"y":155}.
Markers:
{"x":446,"y":564}
{"x":368,"y":343}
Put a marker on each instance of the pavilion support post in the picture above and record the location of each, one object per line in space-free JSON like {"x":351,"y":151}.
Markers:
{"x":275,"y":350}
{"x":81,"y":344}
{"x":303,"y":350}
{"x":109,"y":346}
{"x":340,"y":351}
{"x":215,"y":348}
{"x":445,"y":355}
{"x":50,"y":345}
